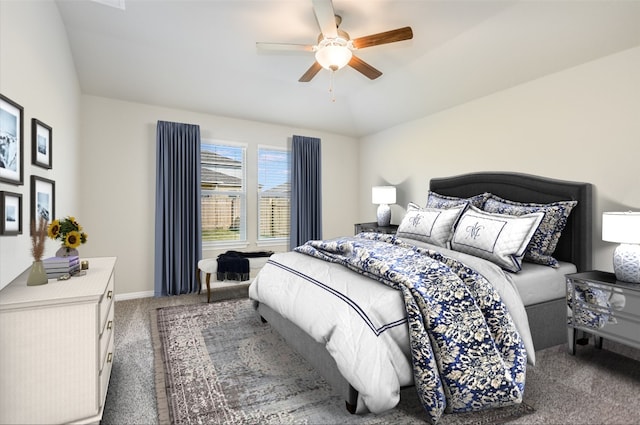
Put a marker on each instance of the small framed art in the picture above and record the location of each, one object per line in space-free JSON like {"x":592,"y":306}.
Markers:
{"x":10,"y":213}
{"x":43,"y":199}
{"x":41,"y":143}
{"x":11,"y":141}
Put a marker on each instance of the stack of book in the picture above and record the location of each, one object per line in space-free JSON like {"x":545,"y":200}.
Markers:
{"x":58,"y":266}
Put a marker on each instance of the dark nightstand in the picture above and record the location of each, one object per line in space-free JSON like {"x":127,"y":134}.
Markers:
{"x":604,"y":307}
{"x":373,"y":227}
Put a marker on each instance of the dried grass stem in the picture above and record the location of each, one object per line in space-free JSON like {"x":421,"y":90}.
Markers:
{"x":38,"y":236}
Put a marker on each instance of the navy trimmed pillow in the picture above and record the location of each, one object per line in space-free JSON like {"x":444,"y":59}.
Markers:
{"x":435,"y":200}
{"x":431,"y":225}
{"x":545,"y":239}
{"x":499,"y":238}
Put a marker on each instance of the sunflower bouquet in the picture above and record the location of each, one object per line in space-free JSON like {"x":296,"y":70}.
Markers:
{"x":68,"y":231}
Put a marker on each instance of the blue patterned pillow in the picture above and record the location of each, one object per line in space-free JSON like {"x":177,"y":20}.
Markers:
{"x":500,"y":238}
{"x":545,"y":239}
{"x":431,"y":225}
{"x":435,"y":200}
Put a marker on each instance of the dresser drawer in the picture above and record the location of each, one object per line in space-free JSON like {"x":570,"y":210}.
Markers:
{"x":106,"y":301}
{"x":106,"y":336}
{"x":105,"y":369}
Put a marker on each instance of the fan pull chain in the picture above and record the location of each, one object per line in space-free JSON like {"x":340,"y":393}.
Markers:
{"x":331,"y":78}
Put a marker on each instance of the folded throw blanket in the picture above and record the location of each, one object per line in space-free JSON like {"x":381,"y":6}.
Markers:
{"x":234,"y":265}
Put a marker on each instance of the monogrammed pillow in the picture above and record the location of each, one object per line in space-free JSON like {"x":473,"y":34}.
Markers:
{"x":431,"y":225}
{"x":499,"y":238}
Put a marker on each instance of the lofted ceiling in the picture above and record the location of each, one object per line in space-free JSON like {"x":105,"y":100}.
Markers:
{"x":200,"y":55}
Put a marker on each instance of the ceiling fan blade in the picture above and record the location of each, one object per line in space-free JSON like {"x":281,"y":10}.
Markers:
{"x":392,"y":36}
{"x":364,"y":68}
{"x":283,"y":47}
{"x":326,"y":18}
{"x":311,"y":72}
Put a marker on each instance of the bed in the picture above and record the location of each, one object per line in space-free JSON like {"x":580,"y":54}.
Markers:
{"x":545,"y":311}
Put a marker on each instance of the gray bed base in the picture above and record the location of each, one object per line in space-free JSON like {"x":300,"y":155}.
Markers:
{"x":547,"y":320}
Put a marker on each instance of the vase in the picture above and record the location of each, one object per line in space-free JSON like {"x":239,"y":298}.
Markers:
{"x":37,"y":274}
{"x":66,"y":252}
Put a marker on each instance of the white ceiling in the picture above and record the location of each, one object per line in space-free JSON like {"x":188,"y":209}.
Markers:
{"x":201,"y":55}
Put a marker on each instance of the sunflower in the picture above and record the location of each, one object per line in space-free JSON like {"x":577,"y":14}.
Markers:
{"x":73,"y":221}
{"x":53,"y":229}
{"x":68,"y":231}
{"x":73,"y":239}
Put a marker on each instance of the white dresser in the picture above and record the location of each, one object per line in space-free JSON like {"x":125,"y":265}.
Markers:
{"x":56,"y":347}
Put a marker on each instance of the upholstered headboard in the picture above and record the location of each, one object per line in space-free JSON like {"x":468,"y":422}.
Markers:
{"x":575,"y":244}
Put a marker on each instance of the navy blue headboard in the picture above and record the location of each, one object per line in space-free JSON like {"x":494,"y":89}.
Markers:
{"x":575,"y":244}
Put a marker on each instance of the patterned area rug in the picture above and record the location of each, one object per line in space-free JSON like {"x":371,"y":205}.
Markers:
{"x":219,"y":364}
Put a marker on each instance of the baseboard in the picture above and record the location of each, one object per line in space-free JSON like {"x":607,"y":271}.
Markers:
{"x":215,"y":286}
{"x":134,"y":295}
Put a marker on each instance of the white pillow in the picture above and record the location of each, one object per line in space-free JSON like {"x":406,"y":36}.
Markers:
{"x":431,"y":225}
{"x":499,"y":238}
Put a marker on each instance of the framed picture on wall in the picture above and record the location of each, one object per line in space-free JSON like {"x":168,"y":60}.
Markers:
{"x":10,"y":213}
{"x":11,"y":145}
{"x":41,"y":135}
{"x":43,"y":199}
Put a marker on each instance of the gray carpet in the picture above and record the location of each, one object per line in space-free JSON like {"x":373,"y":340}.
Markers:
{"x":595,"y":386}
{"x":131,"y":398}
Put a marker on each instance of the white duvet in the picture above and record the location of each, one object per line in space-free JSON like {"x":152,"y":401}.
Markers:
{"x":362,"y":322}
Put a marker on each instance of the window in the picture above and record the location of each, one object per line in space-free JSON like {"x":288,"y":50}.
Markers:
{"x":274,"y":193}
{"x":223,"y":189}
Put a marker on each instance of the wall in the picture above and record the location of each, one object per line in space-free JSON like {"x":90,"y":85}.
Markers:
{"x":104,"y":152}
{"x":118,"y":179}
{"x":37,"y":72}
{"x":580,"y":124}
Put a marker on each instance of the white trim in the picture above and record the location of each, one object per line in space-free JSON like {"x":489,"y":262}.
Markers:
{"x":213,"y":246}
{"x":134,"y":295}
{"x":224,"y":142}
{"x":272,"y":242}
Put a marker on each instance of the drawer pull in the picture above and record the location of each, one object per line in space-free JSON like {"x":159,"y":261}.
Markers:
{"x":110,"y":325}
{"x":109,"y":357}
{"x":110,"y":294}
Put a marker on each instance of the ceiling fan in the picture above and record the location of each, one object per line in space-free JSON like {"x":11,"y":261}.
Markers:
{"x":335,"y":48}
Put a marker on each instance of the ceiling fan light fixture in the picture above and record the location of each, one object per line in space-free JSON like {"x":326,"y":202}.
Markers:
{"x":333,"y":54}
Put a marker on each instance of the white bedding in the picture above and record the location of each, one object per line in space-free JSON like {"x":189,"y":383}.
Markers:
{"x":361,"y":321}
{"x":537,"y":283}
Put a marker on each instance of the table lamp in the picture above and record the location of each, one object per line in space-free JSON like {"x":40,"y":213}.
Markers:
{"x":624,"y":228}
{"x":383,"y":196}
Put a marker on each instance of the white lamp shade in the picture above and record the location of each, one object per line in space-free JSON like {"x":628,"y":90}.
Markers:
{"x":621,"y":227}
{"x":333,"y":57}
{"x":383,"y":195}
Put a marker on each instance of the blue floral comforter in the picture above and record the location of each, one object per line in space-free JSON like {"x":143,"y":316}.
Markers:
{"x":466,"y":351}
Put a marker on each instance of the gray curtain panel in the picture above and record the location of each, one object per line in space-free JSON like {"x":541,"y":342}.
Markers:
{"x":178,"y":244}
{"x":306,"y":190}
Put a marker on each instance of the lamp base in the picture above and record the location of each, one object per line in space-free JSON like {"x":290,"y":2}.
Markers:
{"x":626,"y":263}
{"x":384,"y":215}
